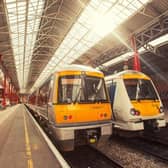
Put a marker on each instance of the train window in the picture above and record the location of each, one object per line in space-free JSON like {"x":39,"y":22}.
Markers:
{"x":140,"y":89}
{"x":70,"y":89}
{"x":112,"y":89}
{"x":82,"y":89}
{"x":50,"y":90}
{"x":95,"y":89}
{"x":43,"y":94}
{"x":146,"y":90}
{"x":131,"y":86}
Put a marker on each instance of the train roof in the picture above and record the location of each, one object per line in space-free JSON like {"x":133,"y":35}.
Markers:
{"x":126,"y":73}
{"x":72,"y":67}
{"x":77,"y":67}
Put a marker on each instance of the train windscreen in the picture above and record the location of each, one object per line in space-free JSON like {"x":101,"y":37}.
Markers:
{"x":140,"y":89}
{"x":95,"y":89}
{"x":81,"y":89}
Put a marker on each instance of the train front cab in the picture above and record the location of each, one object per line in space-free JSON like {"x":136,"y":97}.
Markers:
{"x":81,"y":111}
{"x":136,"y":103}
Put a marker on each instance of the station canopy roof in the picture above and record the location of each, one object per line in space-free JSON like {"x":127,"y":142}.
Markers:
{"x":39,"y":37}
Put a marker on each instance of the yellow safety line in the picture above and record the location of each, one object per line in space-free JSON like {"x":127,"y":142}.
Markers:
{"x":28,"y":148}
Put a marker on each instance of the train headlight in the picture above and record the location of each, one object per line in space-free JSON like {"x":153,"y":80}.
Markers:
{"x":65,"y":117}
{"x":134,"y":112}
{"x":161,"y":109}
{"x":70,"y":117}
{"x":105,"y":114}
{"x":137,"y":112}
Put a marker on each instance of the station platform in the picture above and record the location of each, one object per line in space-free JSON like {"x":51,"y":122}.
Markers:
{"x":21,"y":144}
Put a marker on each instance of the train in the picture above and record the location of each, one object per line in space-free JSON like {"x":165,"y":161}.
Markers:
{"x":75,"y":105}
{"x":135,"y":102}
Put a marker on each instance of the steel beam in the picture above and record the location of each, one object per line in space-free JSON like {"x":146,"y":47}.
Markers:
{"x":158,"y":27}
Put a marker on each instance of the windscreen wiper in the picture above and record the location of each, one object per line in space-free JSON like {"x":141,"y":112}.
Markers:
{"x":77,"y":95}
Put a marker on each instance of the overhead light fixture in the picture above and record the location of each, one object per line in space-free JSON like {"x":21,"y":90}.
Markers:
{"x":119,"y":59}
{"x":160,"y":40}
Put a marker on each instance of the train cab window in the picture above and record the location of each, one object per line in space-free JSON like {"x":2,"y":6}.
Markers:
{"x":146,"y":90}
{"x":140,"y":89}
{"x":95,"y":89}
{"x":81,"y":89}
{"x":131,"y":86}
{"x":70,"y":89}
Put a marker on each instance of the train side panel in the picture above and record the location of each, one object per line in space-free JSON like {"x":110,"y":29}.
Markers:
{"x":121,"y":102}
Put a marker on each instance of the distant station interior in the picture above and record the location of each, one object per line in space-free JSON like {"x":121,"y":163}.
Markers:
{"x":83,"y":83}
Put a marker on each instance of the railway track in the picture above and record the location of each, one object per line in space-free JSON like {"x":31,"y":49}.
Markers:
{"x":157,"y":149}
{"x":160,"y":137}
{"x":89,"y":157}
{"x":84,"y":156}
{"x":155,"y":139}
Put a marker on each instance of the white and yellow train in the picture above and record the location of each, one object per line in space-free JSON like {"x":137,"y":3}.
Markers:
{"x":74,"y":103}
{"x":135,"y":102}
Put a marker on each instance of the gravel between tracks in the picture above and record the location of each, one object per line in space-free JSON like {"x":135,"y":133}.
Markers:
{"x":130,"y":157}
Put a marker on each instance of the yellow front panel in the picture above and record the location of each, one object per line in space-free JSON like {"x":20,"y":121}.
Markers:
{"x":135,"y":76}
{"x":82,"y":112}
{"x":65,"y":73}
{"x":95,"y":74}
{"x":147,"y":107}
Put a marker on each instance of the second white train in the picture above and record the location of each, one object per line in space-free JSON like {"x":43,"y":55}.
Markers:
{"x":135,"y":102}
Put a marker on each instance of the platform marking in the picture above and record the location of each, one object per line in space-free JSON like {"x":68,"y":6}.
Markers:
{"x":56,"y":153}
{"x":28,"y":148}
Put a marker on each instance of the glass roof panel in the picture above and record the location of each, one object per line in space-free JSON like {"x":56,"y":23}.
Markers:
{"x":22,"y":41}
{"x":97,"y":20}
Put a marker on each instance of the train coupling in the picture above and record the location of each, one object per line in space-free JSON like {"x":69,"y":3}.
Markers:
{"x":93,"y":139}
{"x":151,"y":125}
{"x":92,"y":136}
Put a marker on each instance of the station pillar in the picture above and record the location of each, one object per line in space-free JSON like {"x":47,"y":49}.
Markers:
{"x":136,"y":64}
{"x":4,"y":93}
{"x":9,"y":90}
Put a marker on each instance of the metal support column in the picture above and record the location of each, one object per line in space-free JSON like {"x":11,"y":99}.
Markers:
{"x":136,"y":65}
{"x":4,"y":93}
{"x":9,"y":91}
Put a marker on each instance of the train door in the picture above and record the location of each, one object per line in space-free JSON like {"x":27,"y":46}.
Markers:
{"x":50,"y":108}
{"x":112,"y":90}
{"x":43,"y":99}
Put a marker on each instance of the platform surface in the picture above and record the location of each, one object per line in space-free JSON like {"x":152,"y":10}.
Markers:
{"x":21,"y":145}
